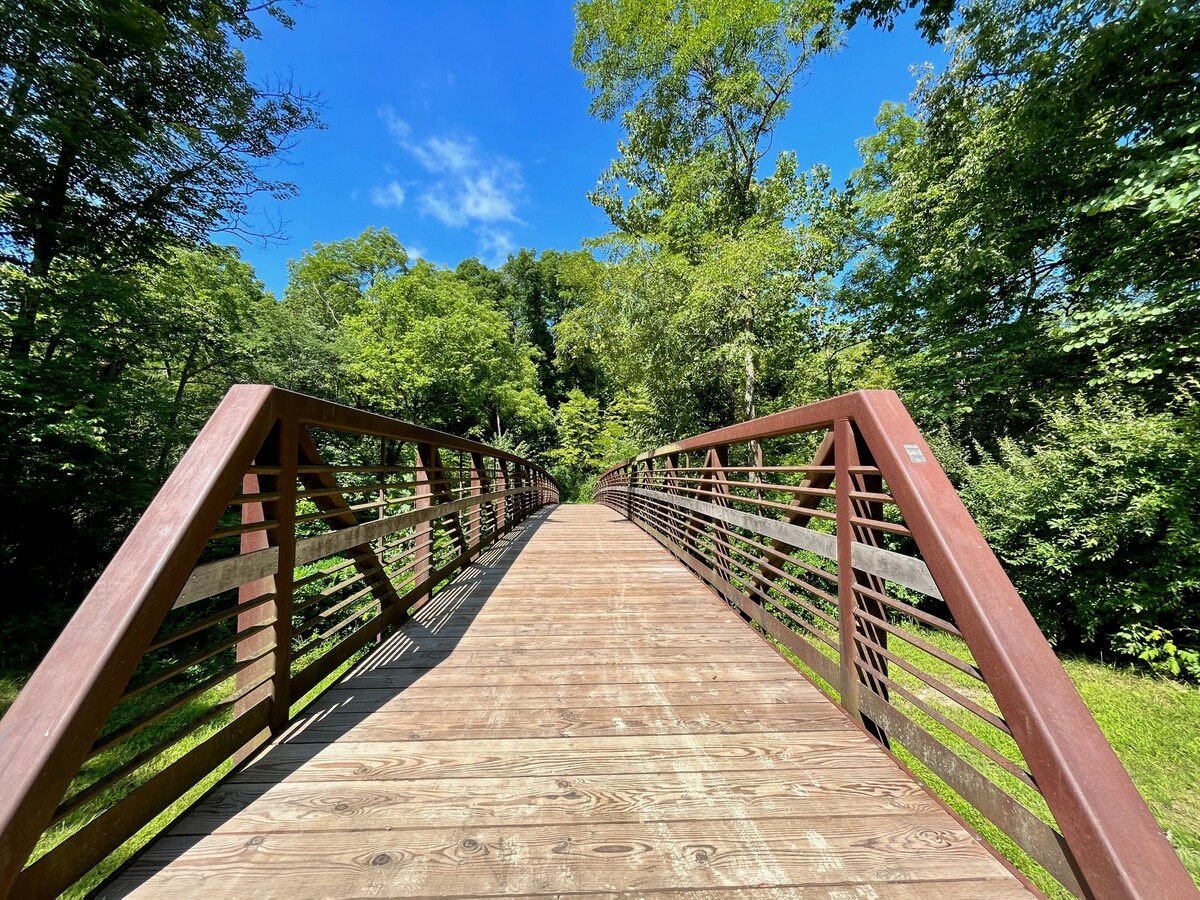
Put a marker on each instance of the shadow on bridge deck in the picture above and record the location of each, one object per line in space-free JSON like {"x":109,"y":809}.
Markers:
{"x":575,"y":714}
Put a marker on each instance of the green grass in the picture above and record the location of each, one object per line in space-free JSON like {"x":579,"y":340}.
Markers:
{"x":1154,"y":727}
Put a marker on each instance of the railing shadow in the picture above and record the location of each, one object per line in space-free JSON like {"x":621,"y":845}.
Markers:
{"x":401,"y":660}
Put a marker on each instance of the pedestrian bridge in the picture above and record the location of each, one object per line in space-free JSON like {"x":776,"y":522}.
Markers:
{"x":343,"y":656}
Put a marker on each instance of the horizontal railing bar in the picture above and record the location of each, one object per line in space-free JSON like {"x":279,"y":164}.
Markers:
{"x":880,"y":525}
{"x":907,"y":609}
{"x":356,"y":489}
{"x":314,"y":548}
{"x":267,"y":497}
{"x":97,"y":787}
{"x":950,"y":725}
{"x":355,"y":470}
{"x":895,"y":567}
{"x":225,"y":574}
{"x":886,"y":564}
{"x":932,"y":649}
{"x":244,"y":528}
{"x":931,"y":681}
{"x":795,"y":535}
{"x":196,"y":658}
{"x":72,"y":858}
{"x":873,"y":497}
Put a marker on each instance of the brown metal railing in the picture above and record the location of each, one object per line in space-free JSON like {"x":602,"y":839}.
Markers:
{"x":942,"y":662}
{"x":292,"y":534}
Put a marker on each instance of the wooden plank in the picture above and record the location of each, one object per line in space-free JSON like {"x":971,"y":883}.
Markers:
{"x":635,"y":798}
{"x":323,"y":545}
{"x":420,"y":725}
{"x":406,"y":657}
{"x":559,"y":757}
{"x":491,"y":861}
{"x":427,"y":696}
{"x":226,"y":574}
{"x":794,"y":535}
{"x":565,"y":673}
{"x":445,"y":645}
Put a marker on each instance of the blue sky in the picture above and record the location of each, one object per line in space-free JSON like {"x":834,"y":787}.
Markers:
{"x":464,"y":129}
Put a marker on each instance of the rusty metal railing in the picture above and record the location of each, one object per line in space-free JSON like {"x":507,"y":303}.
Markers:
{"x":864,"y":566}
{"x":292,"y":534}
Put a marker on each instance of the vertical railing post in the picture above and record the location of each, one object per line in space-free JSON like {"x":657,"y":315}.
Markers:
{"x":518,"y":482}
{"x":843,"y":447}
{"x":714,"y":490}
{"x":503,"y":515}
{"x":253,"y":592}
{"x":285,"y":576}
{"x":670,"y":486}
{"x":647,"y":481}
{"x":478,"y":483}
{"x":423,"y":499}
{"x":278,"y":452}
{"x":523,"y":481}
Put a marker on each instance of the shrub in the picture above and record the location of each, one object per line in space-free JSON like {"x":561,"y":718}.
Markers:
{"x":1098,"y":526}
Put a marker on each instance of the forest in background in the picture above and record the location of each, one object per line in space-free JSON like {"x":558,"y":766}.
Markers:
{"x":1018,"y":255}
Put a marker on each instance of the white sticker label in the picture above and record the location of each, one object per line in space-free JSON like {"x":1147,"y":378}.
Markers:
{"x":914,"y":453}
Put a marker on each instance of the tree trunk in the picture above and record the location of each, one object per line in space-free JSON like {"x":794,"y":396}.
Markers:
{"x":748,"y":404}
{"x":45,"y":249}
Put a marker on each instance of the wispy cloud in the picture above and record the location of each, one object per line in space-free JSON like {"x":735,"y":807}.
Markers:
{"x":497,"y":245}
{"x":391,"y":195}
{"x":468,"y":187}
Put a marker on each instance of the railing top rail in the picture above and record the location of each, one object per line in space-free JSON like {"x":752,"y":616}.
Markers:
{"x":323,"y":413}
{"x":812,"y":417}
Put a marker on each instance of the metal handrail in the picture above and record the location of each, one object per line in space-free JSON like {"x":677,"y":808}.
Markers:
{"x":1111,"y":845}
{"x":257,"y":433}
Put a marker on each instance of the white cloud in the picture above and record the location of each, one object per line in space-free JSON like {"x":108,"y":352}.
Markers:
{"x":391,"y":195}
{"x":497,"y":244}
{"x":438,"y":154}
{"x":397,"y":127}
{"x":469,"y":187}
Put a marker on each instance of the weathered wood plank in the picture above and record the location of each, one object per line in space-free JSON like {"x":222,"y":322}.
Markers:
{"x":560,"y":757}
{"x":518,"y":695}
{"x":456,"y":725}
{"x":634,"y":798}
{"x":491,"y":861}
{"x":562,"y":673}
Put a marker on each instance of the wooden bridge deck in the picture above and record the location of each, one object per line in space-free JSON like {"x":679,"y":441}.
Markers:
{"x":576,"y":714}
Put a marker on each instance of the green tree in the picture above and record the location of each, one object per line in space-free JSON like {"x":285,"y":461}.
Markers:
{"x":1097,"y":522}
{"x":332,"y":281}
{"x":710,"y":255}
{"x":699,"y":87}
{"x":126,"y":127}
{"x":1037,"y":216}
{"x":205,"y":305}
{"x":424,"y":347}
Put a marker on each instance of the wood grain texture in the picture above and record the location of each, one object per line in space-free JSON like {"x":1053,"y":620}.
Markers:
{"x":575,"y":714}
